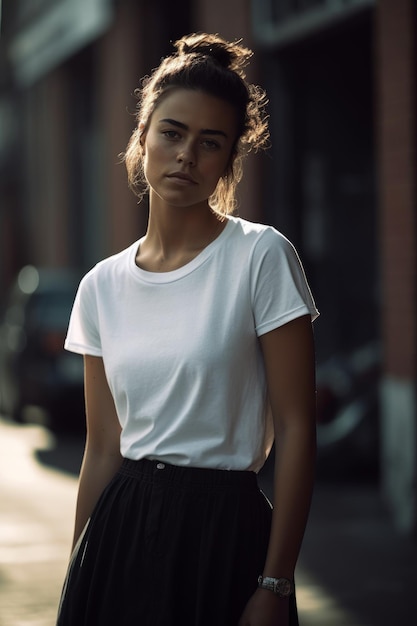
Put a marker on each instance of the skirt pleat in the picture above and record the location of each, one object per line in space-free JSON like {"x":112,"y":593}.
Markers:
{"x":169,"y":546}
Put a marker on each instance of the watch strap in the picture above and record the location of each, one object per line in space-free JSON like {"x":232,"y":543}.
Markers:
{"x":282,"y":587}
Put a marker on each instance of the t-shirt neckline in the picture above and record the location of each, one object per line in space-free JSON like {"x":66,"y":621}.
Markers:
{"x":184,"y":270}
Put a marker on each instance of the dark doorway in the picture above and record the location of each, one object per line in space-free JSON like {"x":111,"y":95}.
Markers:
{"x":321,"y":190}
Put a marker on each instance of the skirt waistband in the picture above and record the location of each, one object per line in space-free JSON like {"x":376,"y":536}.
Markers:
{"x":158,"y":471}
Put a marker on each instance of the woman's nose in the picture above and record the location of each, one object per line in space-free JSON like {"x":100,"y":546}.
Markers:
{"x":186,"y":155}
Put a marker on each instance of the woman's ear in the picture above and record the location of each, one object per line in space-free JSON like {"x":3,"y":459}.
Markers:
{"x":142,"y":136}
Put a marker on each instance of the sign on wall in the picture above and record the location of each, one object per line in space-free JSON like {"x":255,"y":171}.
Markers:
{"x":278,"y":22}
{"x":54,"y":32}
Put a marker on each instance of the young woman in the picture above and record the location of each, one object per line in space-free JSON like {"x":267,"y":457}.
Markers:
{"x":198,"y":352}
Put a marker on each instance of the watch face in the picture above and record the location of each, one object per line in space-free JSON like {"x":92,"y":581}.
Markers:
{"x":283,"y":587}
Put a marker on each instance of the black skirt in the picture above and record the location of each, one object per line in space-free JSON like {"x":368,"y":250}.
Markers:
{"x":169,"y":546}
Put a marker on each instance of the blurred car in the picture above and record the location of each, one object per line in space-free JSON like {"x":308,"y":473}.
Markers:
{"x":348,"y":414}
{"x":35,"y":370}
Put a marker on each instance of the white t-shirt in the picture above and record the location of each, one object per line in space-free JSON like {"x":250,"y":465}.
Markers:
{"x":181,"y":350}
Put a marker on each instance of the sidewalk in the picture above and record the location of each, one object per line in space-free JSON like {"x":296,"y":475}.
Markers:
{"x":355,"y":569}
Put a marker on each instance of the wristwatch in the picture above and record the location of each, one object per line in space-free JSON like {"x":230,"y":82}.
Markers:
{"x":282,"y":587}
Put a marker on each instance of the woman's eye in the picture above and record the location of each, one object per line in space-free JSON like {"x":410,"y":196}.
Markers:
{"x":210,"y":144}
{"x":171,"y":134}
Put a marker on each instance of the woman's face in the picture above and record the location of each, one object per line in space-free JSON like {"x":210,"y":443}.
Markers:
{"x":188,"y":146}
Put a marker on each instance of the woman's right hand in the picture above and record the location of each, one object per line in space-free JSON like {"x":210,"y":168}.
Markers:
{"x":265,"y":609}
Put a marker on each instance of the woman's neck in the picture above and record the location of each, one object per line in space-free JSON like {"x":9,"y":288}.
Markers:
{"x":175,"y":235}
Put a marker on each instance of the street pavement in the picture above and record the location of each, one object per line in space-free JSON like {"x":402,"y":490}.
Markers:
{"x":354,"y":569}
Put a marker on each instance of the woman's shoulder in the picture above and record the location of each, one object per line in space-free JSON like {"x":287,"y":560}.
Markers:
{"x":259,"y":234}
{"x":110,"y":268}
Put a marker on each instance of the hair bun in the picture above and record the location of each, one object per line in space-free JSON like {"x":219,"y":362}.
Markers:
{"x":230,"y":55}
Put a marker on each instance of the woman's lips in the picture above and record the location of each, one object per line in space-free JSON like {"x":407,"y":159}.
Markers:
{"x":182,"y":178}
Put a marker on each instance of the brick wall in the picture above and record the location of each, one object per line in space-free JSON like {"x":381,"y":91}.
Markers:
{"x":396,"y":80}
{"x":396,"y":131}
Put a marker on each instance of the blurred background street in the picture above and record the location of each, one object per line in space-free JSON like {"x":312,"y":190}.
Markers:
{"x":36,"y":516}
{"x":339,"y":181}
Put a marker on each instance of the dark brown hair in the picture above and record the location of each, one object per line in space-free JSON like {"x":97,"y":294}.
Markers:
{"x":215,"y":66}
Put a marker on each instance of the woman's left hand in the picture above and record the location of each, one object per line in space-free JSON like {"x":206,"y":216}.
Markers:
{"x":265,"y":609}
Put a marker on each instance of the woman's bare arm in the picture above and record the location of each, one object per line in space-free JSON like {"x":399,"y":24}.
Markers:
{"x":290,"y":366}
{"x":290,"y":369}
{"x":102,"y":456}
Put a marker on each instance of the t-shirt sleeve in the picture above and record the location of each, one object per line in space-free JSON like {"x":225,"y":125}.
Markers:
{"x":280,"y":292}
{"x":83,"y":335}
